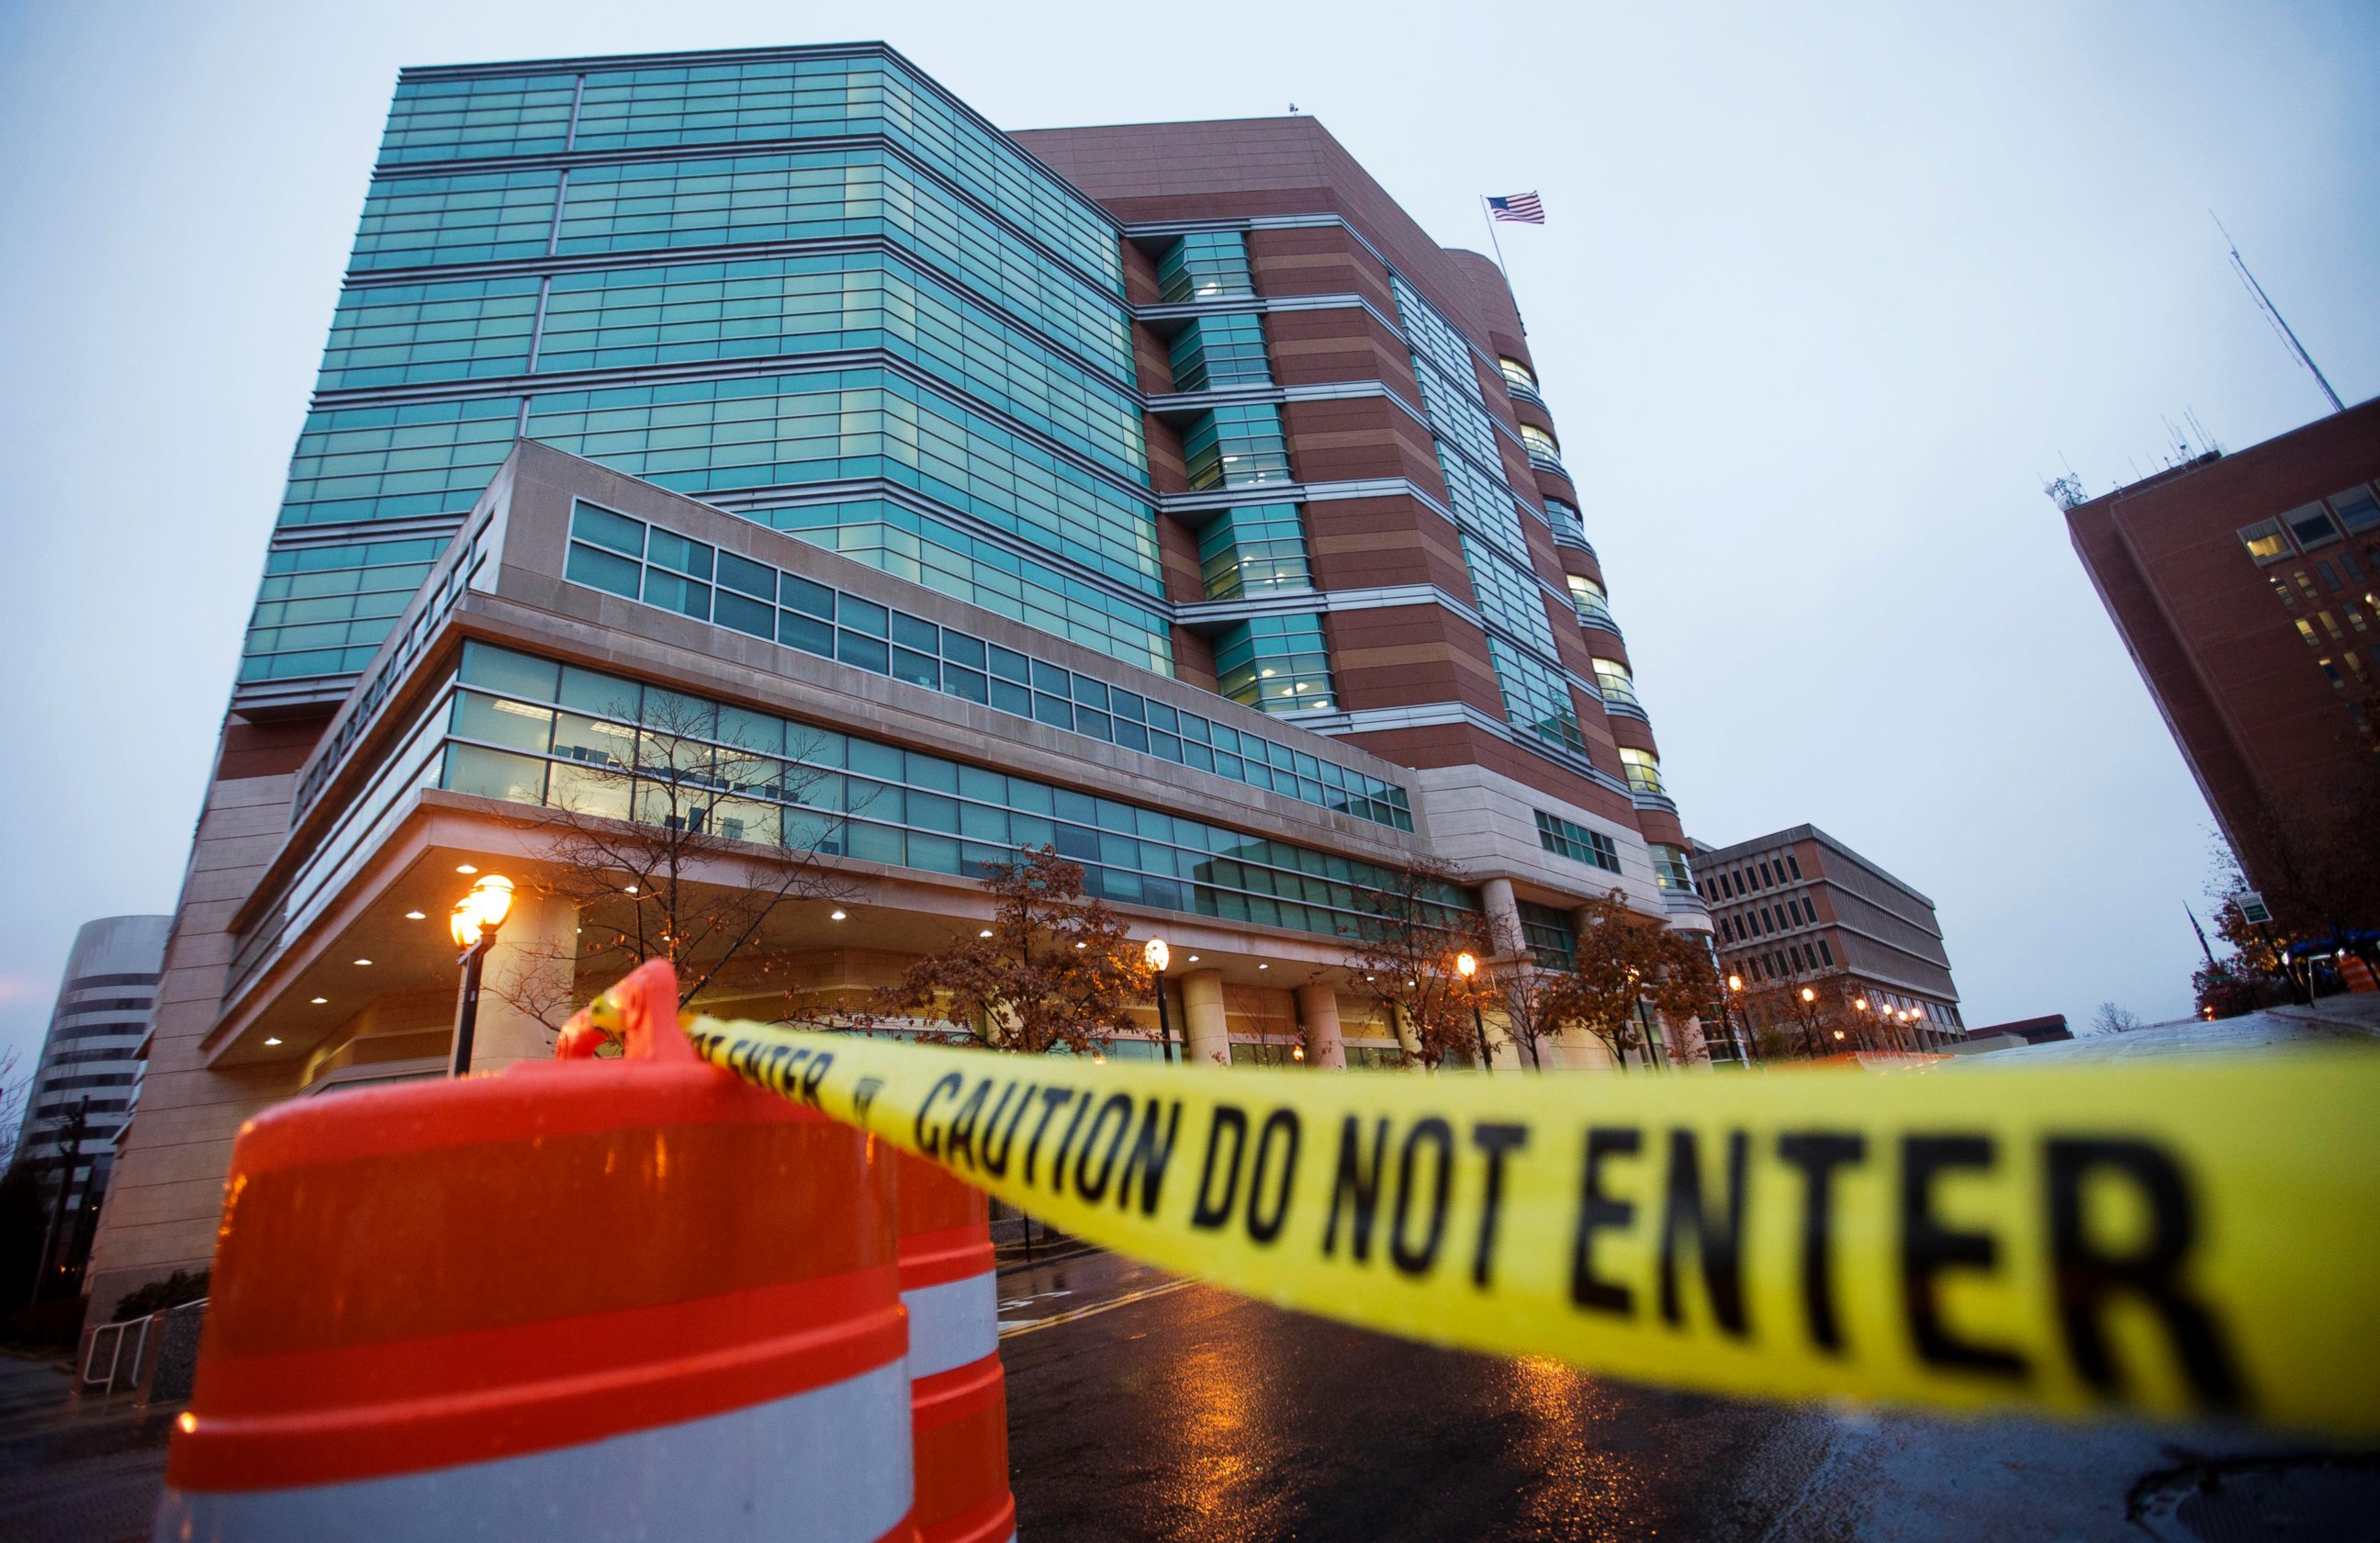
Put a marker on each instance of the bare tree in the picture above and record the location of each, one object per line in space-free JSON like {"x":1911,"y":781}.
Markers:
{"x":1402,"y":956}
{"x":683,"y":830}
{"x":1056,"y":969}
{"x":1625,"y":965}
{"x":2112,"y":1019}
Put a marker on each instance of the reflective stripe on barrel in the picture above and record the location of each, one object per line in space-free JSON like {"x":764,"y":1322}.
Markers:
{"x":588,"y":1299}
{"x":958,"y":1394}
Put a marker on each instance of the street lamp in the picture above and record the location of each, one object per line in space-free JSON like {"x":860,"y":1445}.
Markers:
{"x":1742,"y":1032}
{"x":1159,"y":956}
{"x":1468,"y":967}
{"x":474,"y":923}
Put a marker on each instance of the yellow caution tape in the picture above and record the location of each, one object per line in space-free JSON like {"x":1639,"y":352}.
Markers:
{"x":2179,"y":1240}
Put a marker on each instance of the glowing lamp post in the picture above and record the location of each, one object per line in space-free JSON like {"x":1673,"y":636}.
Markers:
{"x":474,"y":924}
{"x":1159,"y":956}
{"x":1468,"y":967}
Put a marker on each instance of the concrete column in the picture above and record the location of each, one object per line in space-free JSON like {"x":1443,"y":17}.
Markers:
{"x":1206,"y":1036}
{"x":526,"y":983}
{"x":1503,"y":913}
{"x":1317,"y":1016}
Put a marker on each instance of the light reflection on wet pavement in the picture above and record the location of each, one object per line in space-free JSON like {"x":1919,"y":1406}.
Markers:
{"x":1199,"y":1415}
{"x":1140,"y":1406}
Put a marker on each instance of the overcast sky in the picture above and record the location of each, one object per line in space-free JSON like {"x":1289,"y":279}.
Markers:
{"x":1818,"y":305}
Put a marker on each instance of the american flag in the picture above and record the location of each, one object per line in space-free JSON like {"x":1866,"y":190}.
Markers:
{"x":1519,"y":208}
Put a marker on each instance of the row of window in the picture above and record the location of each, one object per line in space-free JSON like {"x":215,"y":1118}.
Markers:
{"x":2313,"y":526}
{"x":938,"y":554}
{"x":1787,"y":963}
{"x":86,"y":1079}
{"x":1567,"y":839}
{"x":709,"y":312}
{"x":661,"y":106}
{"x":665,"y":205}
{"x":134,"y":1027}
{"x":626,"y":557}
{"x":333,"y":600}
{"x":569,"y":737}
{"x":699,"y":437}
{"x":1761,"y":921}
{"x":2339,"y":570}
{"x":1763,"y":873}
{"x":90,"y":1105}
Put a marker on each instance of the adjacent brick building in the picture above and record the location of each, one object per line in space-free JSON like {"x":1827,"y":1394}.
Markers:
{"x":2247,"y":589}
{"x":1799,"y":905}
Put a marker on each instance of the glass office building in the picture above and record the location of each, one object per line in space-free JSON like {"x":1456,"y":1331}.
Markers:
{"x":1162,"y":494}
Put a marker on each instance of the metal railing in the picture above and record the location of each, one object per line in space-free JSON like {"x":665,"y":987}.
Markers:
{"x":119,"y":1373}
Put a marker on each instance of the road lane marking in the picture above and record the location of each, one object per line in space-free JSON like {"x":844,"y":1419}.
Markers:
{"x":1027,"y":1326}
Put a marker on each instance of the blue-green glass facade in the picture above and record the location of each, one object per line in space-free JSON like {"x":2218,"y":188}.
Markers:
{"x":528,"y":730}
{"x":746,"y":276}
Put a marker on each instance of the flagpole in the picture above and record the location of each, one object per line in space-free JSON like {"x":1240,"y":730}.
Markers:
{"x":1498,"y":247}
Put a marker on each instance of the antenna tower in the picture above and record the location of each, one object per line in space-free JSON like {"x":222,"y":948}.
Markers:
{"x":2273,"y":314}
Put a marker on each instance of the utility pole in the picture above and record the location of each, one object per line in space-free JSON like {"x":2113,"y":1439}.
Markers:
{"x":71,"y":1137}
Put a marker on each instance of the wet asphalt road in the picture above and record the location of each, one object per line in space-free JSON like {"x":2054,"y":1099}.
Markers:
{"x":1140,"y":1406}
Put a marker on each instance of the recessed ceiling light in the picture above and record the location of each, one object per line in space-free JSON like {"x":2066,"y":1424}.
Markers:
{"x":319,"y":1001}
{"x":1194,"y":958}
{"x":413,"y":915}
{"x":1264,"y":967}
{"x":985,"y":933}
{"x":270,"y":1041}
{"x":837,"y":915}
{"x":363,"y":961}
{"x":632,"y":889}
{"x":465,"y":867}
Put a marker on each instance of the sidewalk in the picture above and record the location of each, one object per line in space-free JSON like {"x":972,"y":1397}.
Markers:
{"x":75,"y":1473}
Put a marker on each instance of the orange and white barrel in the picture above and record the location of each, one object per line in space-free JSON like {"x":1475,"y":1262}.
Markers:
{"x":958,"y":1391}
{"x":593,"y":1299}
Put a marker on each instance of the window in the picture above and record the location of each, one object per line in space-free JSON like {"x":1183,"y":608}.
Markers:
{"x":1275,"y":664}
{"x":1206,"y":265}
{"x":1217,"y":351}
{"x":921,"y":811}
{"x":1619,"y":687}
{"x":1593,"y":604}
{"x":1644,"y":769}
{"x":1256,"y":549}
{"x":1670,"y":869}
{"x":2311,"y":525}
{"x":1520,"y":379}
{"x":1508,"y":594}
{"x":1794,"y":863}
{"x":1236,"y":447}
{"x":1543,"y":451}
{"x":1537,"y":699}
{"x":894,"y":643}
{"x":2264,"y":541}
{"x":1570,"y":526}
{"x":1550,"y":935}
{"x":1575,"y":841}
{"x":2356,"y":509}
